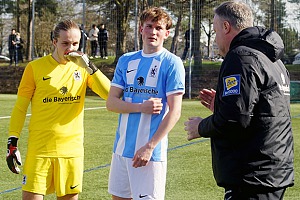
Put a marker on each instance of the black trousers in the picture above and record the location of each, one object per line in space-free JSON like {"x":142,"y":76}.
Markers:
{"x":252,"y":193}
{"x":12,"y":55}
{"x":94,"y":46}
{"x":103,"y":48}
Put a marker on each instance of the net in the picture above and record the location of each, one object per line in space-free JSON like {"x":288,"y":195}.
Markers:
{"x":295,"y":91}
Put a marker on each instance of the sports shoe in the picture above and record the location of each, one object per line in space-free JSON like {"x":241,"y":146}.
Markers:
{"x":105,"y":57}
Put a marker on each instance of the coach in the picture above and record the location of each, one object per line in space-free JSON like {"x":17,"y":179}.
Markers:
{"x":250,"y":128}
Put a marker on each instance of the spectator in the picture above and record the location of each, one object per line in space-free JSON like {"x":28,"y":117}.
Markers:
{"x":187,"y":38}
{"x":83,"y":39}
{"x":102,"y":39}
{"x":19,"y":48}
{"x":93,"y":35}
{"x":12,"y":46}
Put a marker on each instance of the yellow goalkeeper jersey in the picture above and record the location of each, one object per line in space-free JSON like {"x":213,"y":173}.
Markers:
{"x":57,"y":93}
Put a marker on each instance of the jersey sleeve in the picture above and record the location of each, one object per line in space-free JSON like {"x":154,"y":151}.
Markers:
{"x":118,"y":80}
{"x":99,"y":83}
{"x":25,"y":93}
{"x":27,"y":85}
{"x":176,"y":77}
{"x":18,"y":116}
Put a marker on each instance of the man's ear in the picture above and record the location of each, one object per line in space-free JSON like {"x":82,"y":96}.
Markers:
{"x":54,"y":42}
{"x":226,"y":26}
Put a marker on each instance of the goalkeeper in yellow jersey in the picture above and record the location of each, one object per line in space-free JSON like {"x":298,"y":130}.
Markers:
{"x":55,"y":85}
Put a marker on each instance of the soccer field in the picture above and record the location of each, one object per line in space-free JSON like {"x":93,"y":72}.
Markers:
{"x":189,"y":163}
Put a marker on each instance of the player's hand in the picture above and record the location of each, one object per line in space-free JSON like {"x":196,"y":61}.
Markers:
{"x":142,"y":156}
{"x":191,"y":126}
{"x":208,"y":98}
{"x":152,"y":106}
{"x":13,"y":157}
{"x":81,"y":60}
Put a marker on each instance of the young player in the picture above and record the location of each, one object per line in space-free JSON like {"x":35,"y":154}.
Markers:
{"x":147,"y":91}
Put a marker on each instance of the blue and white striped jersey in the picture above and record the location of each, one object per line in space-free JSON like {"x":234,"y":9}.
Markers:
{"x":143,"y":76}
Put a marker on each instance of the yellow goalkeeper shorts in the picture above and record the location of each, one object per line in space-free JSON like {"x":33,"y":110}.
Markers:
{"x":49,"y":175}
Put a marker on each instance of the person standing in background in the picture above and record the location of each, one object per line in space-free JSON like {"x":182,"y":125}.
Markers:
{"x":146,"y":90}
{"x":93,"y":35}
{"x":187,"y":43}
{"x":83,"y":40}
{"x":19,"y":48}
{"x":250,"y":128}
{"x":103,"y":39}
{"x":12,"y":46}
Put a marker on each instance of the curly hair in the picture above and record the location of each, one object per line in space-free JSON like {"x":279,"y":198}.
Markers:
{"x":156,"y":14}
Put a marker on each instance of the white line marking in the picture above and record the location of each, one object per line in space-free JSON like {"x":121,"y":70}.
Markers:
{"x":27,"y":115}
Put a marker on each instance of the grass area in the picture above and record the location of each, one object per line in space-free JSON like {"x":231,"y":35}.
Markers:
{"x":293,"y":67}
{"x":189,"y":163}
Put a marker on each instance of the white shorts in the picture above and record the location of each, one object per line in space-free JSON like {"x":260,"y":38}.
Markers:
{"x":142,"y":183}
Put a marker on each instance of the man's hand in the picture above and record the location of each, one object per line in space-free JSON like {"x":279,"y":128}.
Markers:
{"x":13,"y":157}
{"x":152,"y":106}
{"x":208,"y":98}
{"x":191,"y":126}
{"x":81,"y":60}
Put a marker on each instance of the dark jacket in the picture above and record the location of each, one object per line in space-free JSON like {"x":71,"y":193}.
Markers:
{"x":11,"y":37}
{"x":250,"y":129}
{"x":102,"y":35}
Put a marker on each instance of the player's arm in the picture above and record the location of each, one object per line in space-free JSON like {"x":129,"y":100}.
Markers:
{"x":114,"y":103}
{"x":143,"y":155}
{"x":13,"y":157}
{"x":101,"y":83}
{"x":18,"y":115}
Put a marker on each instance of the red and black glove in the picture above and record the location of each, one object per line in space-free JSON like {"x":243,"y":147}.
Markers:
{"x":13,"y":157}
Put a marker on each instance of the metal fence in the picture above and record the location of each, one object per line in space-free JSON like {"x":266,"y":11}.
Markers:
{"x":36,"y":18}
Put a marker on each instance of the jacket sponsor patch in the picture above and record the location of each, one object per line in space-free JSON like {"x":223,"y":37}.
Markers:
{"x":231,"y":85}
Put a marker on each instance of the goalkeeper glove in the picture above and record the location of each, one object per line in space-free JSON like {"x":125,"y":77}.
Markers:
{"x":82,"y":60}
{"x":13,"y":157}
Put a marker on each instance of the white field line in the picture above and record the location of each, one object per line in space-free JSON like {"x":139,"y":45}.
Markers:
{"x":27,"y":115}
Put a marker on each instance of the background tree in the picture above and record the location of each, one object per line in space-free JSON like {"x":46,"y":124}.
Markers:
{"x":120,"y":19}
{"x":122,"y":10}
{"x":203,"y":10}
{"x":45,"y":16}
